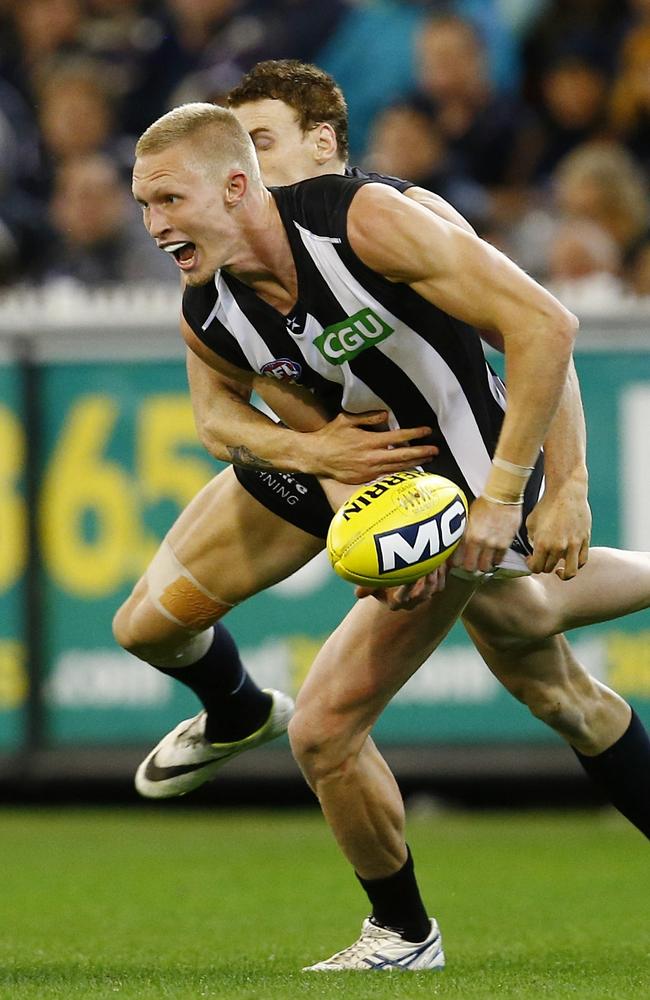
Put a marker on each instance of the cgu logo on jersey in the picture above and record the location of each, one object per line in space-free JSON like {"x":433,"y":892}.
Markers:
{"x":416,"y":543}
{"x":282,"y":368}
{"x":343,"y":341}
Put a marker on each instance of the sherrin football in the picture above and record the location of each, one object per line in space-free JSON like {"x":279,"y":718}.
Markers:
{"x":397,"y":529}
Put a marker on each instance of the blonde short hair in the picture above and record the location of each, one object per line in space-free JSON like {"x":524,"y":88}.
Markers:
{"x":213,"y":133}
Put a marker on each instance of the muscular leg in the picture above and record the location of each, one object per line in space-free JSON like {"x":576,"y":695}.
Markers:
{"x":516,"y":626}
{"x":361,"y":666}
{"x":224,"y":547}
{"x":510,"y":624}
{"x":608,"y":738}
{"x":545,"y":675}
{"x":613,"y":583}
{"x":337,"y":708}
{"x":233,"y":547}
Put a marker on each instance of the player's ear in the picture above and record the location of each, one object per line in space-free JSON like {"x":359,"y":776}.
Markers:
{"x":236,"y":187}
{"x":326,"y":143}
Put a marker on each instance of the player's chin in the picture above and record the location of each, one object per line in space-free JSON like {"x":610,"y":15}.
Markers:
{"x":198,"y":276}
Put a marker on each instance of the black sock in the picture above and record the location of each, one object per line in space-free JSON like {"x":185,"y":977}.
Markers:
{"x":397,"y":904}
{"x":623,"y":773}
{"x":235,"y":705}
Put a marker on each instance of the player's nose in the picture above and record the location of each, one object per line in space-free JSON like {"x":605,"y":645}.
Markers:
{"x":157,"y":223}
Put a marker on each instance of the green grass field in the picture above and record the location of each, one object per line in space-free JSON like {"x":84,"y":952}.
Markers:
{"x":156,"y":903}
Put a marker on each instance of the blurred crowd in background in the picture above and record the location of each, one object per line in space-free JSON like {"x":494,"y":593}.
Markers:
{"x":531,"y":116}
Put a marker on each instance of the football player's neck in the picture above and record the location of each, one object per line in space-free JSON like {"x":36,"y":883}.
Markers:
{"x":258,"y":231}
{"x":262,"y":257}
{"x":329,"y":166}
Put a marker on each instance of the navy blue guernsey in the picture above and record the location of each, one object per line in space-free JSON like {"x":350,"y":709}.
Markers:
{"x":357,"y":340}
{"x":396,"y":182}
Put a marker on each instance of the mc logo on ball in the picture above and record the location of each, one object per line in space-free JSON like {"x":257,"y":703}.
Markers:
{"x":416,"y":543}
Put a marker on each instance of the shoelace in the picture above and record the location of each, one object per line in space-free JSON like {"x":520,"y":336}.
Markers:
{"x":363,"y":946}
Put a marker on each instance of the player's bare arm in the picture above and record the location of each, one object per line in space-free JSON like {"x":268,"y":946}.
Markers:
{"x":565,"y":462}
{"x":226,"y":423}
{"x":434,"y":203}
{"x":438,"y":206}
{"x":342,"y":449}
{"x":474,"y":282}
{"x":560,"y":525}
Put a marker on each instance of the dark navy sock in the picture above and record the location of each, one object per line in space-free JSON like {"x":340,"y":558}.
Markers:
{"x":235,"y":705}
{"x":397,"y":904}
{"x":623,"y":773}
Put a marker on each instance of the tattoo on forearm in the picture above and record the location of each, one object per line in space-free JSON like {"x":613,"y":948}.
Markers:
{"x":241,"y":455}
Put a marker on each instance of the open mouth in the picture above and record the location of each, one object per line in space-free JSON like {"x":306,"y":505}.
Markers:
{"x":182,"y":252}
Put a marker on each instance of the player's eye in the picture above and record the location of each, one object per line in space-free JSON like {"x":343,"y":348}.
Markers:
{"x":263,"y":141}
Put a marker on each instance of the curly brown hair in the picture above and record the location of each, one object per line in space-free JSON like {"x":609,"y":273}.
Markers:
{"x":313,"y":94}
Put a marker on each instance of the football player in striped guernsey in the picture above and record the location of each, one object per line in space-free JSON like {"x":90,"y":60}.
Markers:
{"x":507,"y":658}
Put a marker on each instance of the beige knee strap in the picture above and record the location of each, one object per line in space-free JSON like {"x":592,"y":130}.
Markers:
{"x":178,"y":595}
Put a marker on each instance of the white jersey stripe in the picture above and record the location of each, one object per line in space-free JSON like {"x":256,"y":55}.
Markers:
{"x":237,"y":323}
{"x":357,"y":396}
{"x":455,"y":417}
{"x":496,"y":387}
{"x":419,"y":361}
{"x":215,"y":308}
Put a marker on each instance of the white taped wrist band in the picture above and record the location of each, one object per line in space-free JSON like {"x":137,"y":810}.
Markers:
{"x":523,"y":471}
{"x":503,"y":503}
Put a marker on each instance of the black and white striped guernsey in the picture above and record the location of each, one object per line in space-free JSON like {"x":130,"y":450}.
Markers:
{"x":359,"y":341}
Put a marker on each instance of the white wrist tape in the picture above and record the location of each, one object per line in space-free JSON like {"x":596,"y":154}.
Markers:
{"x":523,"y":471}
{"x":503,"y":503}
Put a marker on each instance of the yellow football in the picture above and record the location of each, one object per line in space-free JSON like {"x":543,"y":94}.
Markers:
{"x":397,"y":529}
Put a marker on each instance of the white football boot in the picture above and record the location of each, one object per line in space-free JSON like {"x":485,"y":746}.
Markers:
{"x":184,"y":759}
{"x":384,"y":950}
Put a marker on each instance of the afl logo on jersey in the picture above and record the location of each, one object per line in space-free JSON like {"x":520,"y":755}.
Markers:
{"x":282,"y":368}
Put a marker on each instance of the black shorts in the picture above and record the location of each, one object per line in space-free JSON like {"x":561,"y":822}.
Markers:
{"x":294,"y":496}
{"x":298,"y":498}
